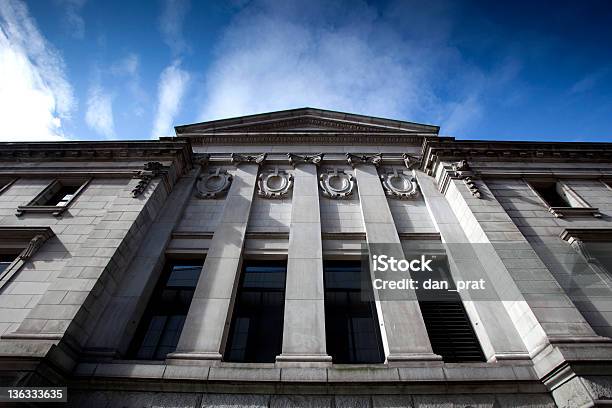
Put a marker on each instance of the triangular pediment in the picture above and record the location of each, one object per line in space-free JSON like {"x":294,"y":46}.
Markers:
{"x":305,"y":120}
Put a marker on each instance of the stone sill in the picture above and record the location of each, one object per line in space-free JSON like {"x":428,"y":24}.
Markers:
{"x":561,"y":212}
{"x":41,"y":209}
{"x":266,"y":373}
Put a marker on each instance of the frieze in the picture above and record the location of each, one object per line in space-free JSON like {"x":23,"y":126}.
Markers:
{"x":337,"y":184}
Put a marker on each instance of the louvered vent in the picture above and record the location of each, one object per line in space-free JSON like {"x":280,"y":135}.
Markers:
{"x":450,"y":331}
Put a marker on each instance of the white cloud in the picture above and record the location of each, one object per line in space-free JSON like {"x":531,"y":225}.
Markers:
{"x":35,"y":95}
{"x":171,"y":88}
{"x":128,"y":65}
{"x":73,"y":20}
{"x":99,"y":115}
{"x":347,"y":56}
{"x":171,"y":23}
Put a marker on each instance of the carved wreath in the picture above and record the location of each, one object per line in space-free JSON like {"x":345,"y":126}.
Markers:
{"x":275,"y":184}
{"x":336,"y":184}
{"x":399,"y":185}
{"x":214,"y":185}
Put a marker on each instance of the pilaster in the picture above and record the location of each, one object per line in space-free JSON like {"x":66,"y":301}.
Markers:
{"x":403,"y":330}
{"x":204,"y":331}
{"x":304,"y":319}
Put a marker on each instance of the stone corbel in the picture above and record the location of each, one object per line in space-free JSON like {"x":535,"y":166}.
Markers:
{"x":238,"y":158}
{"x":411,"y":162}
{"x":355,"y":160}
{"x":399,"y":185}
{"x":295,"y":159}
{"x":337,"y":184}
{"x":151,"y":170}
{"x":459,"y":171}
{"x":275,"y":184}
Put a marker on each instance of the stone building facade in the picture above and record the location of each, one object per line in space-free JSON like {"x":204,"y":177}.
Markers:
{"x":224,"y":267}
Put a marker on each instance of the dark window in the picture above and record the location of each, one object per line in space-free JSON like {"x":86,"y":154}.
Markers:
{"x":448,"y":326}
{"x":548,"y":191}
{"x":162,"y":322}
{"x":63,"y":196}
{"x":6,"y":259}
{"x":351,"y":323}
{"x":256,"y":332}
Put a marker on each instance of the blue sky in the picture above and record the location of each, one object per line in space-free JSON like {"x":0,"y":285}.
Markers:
{"x":93,"y":70}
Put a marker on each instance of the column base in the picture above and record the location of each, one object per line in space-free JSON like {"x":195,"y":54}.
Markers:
{"x":399,"y":359}
{"x":303,"y":360}
{"x":199,"y":358}
{"x":509,"y":356}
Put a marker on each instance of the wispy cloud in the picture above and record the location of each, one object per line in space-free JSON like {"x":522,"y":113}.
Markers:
{"x":588,"y":82}
{"x":73,"y":21}
{"x":343,"y":55}
{"x":172,"y":85}
{"x":99,"y":115}
{"x":35,"y":95}
{"x":173,"y":79}
{"x":171,"y":24}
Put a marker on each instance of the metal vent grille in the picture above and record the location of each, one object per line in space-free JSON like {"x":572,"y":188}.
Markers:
{"x":450,"y":331}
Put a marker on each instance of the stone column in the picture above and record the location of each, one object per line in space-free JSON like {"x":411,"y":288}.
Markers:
{"x":403,"y":330}
{"x":304,"y":322}
{"x":211,"y":308}
{"x":498,"y":336}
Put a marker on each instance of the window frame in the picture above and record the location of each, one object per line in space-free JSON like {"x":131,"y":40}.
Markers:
{"x":28,"y":239}
{"x":582,"y":209}
{"x":140,"y":331}
{"x":371,"y":306}
{"x":55,"y":210}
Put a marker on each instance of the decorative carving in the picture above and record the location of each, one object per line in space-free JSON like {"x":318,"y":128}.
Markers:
{"x":464,"y":172}
{"x":214,"y":185}
{"x":399,"y":185}
{"x":151,"y":170}
{"x":245,"y":158}
{"x":355,"y":160}
{"x":295,"y":159}
{"x":33,"y":246}
{"x":411,"y":162}
{"x":202,"y":159}
{"x":337,"y":184}
{"x":275,"y":184}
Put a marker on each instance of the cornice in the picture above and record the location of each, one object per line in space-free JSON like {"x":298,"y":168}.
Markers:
{"x":448,"y":149}
{"x":83,"y":154}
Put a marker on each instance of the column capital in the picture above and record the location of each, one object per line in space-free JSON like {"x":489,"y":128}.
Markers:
{"x":295,"y":159}
{"x":258,"y":159}
{"x":355,"y":160}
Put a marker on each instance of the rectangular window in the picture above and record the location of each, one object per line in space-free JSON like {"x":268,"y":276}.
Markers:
{"x":351,"y":322}
{"x":561,"y":200}
{"x":256,"y":332}
{"x":448,"y":326}
{"x":551,"y":193}
{"x":56,"y":197}
{"x":162,"y":322}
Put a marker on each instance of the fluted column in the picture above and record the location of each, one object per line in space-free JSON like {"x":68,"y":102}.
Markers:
{"x":304,"y":322}
{"x":211,"y":308}
{"x":402,"y":327}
